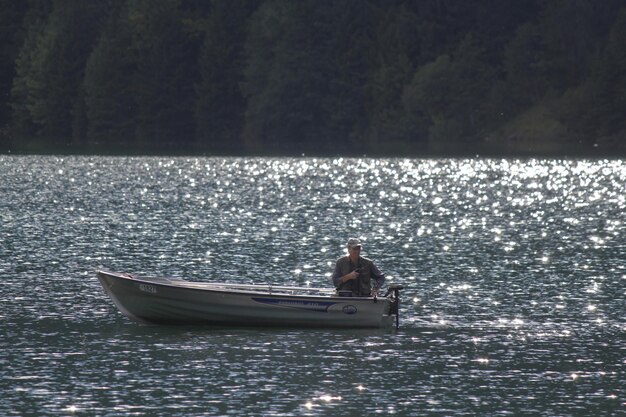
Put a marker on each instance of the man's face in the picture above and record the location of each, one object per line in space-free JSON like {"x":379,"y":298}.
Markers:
{"x":355,"y":251}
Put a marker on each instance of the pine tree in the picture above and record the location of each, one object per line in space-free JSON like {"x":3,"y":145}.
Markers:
{"x":50,"y":69}
{"x":220,"y":104}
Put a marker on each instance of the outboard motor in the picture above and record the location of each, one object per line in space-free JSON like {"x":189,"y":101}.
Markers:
{"x":394,"y":291}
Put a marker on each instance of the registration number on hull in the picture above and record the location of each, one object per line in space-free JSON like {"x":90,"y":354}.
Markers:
{"x":148,"y":288}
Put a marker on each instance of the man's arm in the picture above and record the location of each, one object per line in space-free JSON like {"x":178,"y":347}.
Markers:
{"x":339,"y":279}
{"x":337,"y":275}
{"x":378,"y":276}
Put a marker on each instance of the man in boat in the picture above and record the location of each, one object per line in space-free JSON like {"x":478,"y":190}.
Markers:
{"x":357,"y":274}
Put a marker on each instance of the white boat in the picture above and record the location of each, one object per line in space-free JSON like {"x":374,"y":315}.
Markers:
{"x":175,"y":300}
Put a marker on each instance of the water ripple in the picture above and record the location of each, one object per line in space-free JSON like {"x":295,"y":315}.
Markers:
{"x":514,"y":274}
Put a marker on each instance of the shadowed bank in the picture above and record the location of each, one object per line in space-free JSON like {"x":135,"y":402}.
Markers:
{"x":278,"y":77}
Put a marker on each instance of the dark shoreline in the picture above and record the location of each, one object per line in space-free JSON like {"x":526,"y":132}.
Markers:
{"x":566,"y":152}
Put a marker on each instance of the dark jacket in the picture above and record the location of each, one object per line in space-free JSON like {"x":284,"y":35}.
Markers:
{"x":361,"y":286}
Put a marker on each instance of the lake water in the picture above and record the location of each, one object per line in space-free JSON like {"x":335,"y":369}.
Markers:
{"x":514,"y":275}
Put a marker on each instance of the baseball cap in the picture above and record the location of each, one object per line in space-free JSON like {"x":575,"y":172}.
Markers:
{"x":353,"y":243}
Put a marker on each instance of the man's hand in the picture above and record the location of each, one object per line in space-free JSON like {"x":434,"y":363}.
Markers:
{"x":374,"y":292}
{"x":352,"y":275}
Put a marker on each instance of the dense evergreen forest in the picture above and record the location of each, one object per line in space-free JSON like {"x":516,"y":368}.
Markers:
{"x":353,"y":77}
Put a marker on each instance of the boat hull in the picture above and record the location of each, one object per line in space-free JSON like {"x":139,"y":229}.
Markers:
{"x":160,"y":300}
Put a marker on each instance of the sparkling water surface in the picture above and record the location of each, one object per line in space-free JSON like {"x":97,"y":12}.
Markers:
{"x":514,"y":275}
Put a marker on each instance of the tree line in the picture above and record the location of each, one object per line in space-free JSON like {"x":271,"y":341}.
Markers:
{"x":313,"y":76}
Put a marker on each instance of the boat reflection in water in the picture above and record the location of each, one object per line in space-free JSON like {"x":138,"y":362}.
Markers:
{"x":175,"y":300}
